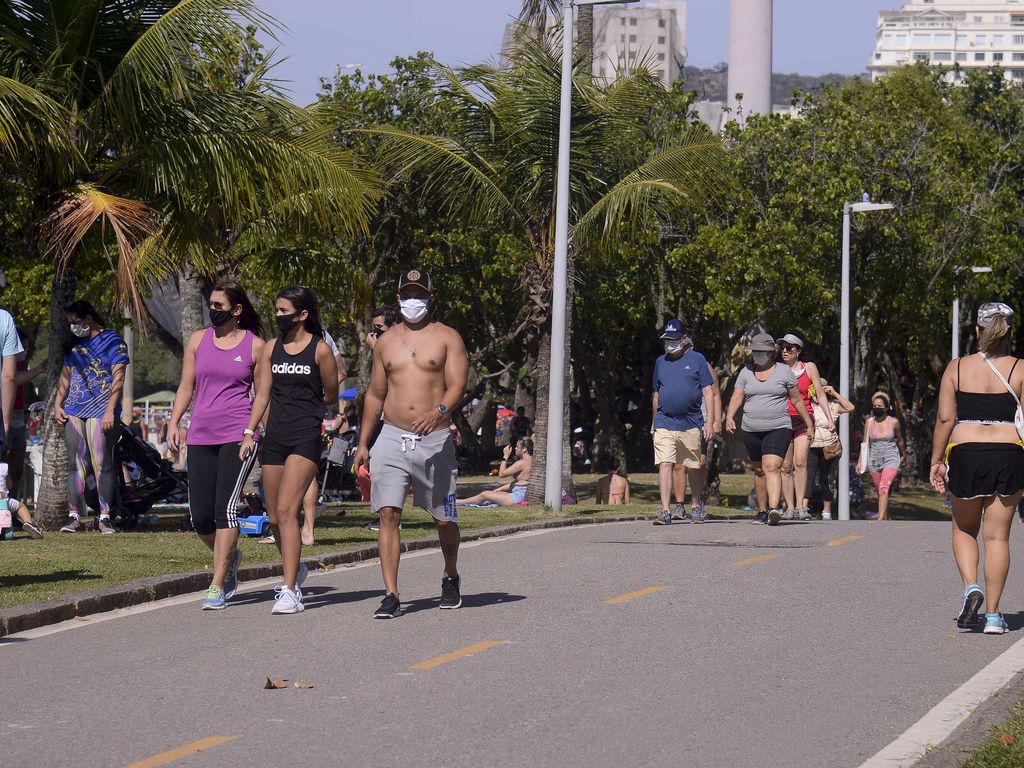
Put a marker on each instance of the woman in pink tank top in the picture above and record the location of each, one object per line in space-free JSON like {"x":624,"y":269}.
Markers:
{"x":794,"y":467}
{"x":217,"y":377}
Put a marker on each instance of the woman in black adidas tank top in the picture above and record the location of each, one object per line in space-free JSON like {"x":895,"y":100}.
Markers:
{"x":298,"y":376}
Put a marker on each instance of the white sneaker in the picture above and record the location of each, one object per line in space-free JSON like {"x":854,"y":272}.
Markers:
{"x":287,"y":601}
{"x":826,"y":515}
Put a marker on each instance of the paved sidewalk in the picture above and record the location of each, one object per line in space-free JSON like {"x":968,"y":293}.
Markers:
{"x":725,"y":644}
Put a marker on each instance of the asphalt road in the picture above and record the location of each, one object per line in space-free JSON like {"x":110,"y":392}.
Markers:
{"x":730,"y":645}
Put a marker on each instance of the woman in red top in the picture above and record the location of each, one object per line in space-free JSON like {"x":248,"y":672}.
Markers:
{"x":794,"y":467}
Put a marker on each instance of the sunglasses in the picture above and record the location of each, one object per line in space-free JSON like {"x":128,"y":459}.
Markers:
{"x":789,"y":347}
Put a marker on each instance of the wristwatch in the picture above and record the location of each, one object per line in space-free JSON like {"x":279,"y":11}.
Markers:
{"x":442,"y":409}
{"x":248,"y":433}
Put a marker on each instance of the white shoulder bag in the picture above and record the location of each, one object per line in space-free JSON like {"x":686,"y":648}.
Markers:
{"x":1018,"y":417}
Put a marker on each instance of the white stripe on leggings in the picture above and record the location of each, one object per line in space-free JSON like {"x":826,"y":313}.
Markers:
{"x":234,"y":500}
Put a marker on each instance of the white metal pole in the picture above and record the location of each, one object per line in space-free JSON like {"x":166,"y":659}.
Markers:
{"x":956,"y":328}
{"x":556,"y":374}
{"x":844,"y":371}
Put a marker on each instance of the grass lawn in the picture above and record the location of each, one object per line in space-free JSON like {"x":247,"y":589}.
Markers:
{"x":60,"y":564}
{"x":1005,"y":746}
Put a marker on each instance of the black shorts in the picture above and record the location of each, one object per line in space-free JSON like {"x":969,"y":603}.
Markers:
{"x":276,"y":451}
{"x":799,"y":427}
{"x":774,"y":442}
{"x":985,"y":469}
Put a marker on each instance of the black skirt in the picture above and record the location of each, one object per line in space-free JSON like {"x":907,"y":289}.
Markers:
{"x":985,"y":469}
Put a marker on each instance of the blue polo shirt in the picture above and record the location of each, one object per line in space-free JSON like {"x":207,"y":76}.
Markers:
{"x":679,"y":383}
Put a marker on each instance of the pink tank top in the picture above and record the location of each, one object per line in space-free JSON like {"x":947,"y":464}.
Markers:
{"x":221,"y":409}
{"x":804,"y":385}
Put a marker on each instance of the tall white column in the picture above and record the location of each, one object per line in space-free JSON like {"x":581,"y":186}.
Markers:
{"x":750,"y":57}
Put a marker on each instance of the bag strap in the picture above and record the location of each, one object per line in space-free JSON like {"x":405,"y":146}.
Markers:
{"x":1001,"y":378}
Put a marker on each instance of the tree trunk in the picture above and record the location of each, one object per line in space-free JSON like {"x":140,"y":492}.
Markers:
{"x":194,"y":290}
{"x":535,"y":491}
{"x":52,"y":505}
{"x":585,"y":35}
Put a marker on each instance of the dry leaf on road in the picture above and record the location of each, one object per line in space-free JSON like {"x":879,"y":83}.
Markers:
{"x":326,"y":566}
{"x":1007,"y":739}
{"x":303,"y":685}
{"x":275,"y":684}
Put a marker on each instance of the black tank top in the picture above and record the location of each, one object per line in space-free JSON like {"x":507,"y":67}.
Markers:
{"x":296,"y":393}
{"x":993,"y":407}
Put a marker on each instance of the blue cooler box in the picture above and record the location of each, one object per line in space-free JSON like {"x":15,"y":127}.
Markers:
{"x":254,"y":525}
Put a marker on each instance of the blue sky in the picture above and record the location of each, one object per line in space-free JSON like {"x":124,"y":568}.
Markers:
{"x":811,"y":36}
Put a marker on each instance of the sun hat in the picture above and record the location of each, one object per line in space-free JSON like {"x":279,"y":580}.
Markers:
{"x":763,"y":342}
{"x":791,"y":338}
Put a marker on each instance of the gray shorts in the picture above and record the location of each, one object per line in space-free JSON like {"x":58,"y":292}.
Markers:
{"x":399,"y":459}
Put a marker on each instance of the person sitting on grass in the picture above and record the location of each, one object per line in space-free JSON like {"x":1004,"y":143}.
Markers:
{"x":514,"y":493}
{"x":613,"y":488}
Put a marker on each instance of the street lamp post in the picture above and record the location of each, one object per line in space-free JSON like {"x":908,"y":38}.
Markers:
{"x":556,"y":374}
{"x":844,"y":345}
{"x":955,"y":346}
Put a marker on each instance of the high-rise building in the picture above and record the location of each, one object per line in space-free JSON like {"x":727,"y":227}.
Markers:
{"x":652,"y":34}
{"x":957,"y":34}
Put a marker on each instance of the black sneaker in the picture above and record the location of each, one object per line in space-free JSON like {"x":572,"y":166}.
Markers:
{"x":390,"y":607}
{"x":450,"y":595}
{"x":761,"y":518}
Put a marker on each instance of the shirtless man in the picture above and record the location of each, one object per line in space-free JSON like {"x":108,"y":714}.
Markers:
{"x":419,"y":374}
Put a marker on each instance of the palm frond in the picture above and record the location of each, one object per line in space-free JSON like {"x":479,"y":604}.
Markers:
{"x":31,"y":124}
{"x":132,"y":222}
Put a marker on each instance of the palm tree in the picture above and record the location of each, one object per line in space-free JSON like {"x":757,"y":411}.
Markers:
{"x":498,"y":167}
{"x":109,"y":122}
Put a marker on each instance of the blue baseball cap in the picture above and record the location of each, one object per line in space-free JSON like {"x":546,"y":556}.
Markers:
{"x":675,"y":330}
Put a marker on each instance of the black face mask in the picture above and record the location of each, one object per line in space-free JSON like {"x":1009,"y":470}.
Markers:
{"x":878,"y":411}
{"x":219,"y":317}
{"x":286,"y":322}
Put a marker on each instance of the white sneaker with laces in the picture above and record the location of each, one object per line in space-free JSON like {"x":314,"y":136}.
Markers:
{"x":287,"y":601}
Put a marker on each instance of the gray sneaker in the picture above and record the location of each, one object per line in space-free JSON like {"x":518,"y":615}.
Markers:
{"x":803,"y":513}
{"x":698,"y":513}
{"x":774,"y":516}
{"x":663,"y":518}
{"x":105,"y":527}
{"x":680,"y":513}
{"x":788,"y":514}
{"x":73,"y":525}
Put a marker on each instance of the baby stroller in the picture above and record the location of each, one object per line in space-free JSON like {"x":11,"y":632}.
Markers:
{"x":336,"y":463}
{"x":154,"y":481}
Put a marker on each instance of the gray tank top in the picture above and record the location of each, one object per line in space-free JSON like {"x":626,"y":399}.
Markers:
{"x":884,"y":451}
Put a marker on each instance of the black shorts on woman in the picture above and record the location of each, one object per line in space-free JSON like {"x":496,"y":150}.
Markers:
{"x":773,"y":442}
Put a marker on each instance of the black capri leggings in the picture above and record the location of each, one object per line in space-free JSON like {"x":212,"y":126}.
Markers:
{"x":820,"y":467}
{"x":774,"y":442}
{"x":216,"y":477}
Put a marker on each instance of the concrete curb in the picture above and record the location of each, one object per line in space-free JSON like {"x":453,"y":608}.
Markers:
{"x":34,"y":615}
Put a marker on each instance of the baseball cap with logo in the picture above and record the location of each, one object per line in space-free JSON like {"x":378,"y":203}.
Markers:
{"x":791,"y":338}
{"x":416,"y":276}
{"x":674,"y":329}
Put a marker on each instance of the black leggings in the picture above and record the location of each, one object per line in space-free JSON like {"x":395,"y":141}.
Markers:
{"x":820,"y":467}
{"x":216,"y":477}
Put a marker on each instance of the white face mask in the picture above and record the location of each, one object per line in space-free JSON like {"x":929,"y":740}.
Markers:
{"x":672,"y":347}
{"x":414,"y":310}
{"x":80,"y":330}
{"x":760,"y":358}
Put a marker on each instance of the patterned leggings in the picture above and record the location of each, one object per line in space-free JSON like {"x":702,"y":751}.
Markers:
{"x":92,"y":451}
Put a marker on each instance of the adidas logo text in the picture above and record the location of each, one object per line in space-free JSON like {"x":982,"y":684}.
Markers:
{"x":291,"y":368}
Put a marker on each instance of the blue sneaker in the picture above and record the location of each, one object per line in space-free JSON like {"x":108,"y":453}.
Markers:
{"x":231,"y":579}
{"x":974,"y":598}
{"x":995,"y":624}
{"x":214,"y":600}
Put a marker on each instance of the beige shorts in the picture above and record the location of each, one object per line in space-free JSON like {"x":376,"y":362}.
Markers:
{"x":673,"y":447}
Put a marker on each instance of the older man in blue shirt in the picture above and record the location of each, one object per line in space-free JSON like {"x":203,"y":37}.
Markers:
{"x":682,"y":382}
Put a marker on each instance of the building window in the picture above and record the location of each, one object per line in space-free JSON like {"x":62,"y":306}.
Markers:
{"x":942,"y":56}
{"x":878,"y":57}
{"x":921,"y":38}
{"x":1018,"y":74}
{"x":920,"y":56}
{"x":977,"y":19}
{"x":901,"y":39}
{"x":660,"y":74}
{"x":961,"y":57}
{"x":622,"y":38}
{"x":632,"y":54}
{"x":632,"y":38}
{"x":632,"y":21}
{"x":943,"y":39}
{"x":997,"y":40}
{"x":1018,"y":39}
{"x":997,"y":57}
{"x":623,"y":21}
{"x":1017,"y":19}
{"x":979,"y":57}
{"x":1018,"y":57}
{"x":1000,"y":19}
{"x":980,"y":39}
{"x":961,"y":40}
{"x":661,"y":57}
{"x":661,"y":23}
{"x":661,"y":40}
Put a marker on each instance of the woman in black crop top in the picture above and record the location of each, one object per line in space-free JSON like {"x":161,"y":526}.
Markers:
{"x":978,"y":455}
{"x":297,"y":377}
